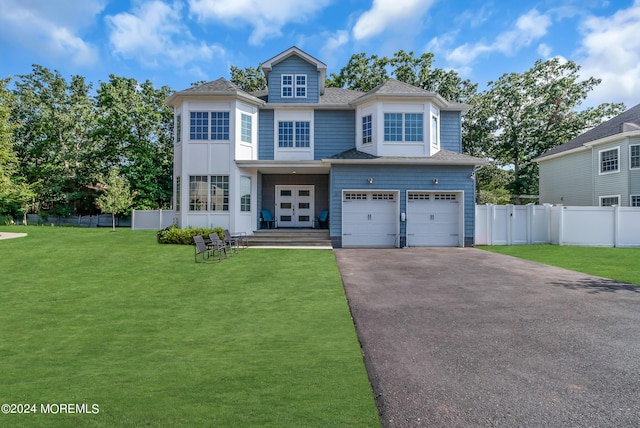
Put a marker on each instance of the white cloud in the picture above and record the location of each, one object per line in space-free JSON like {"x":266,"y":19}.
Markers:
{"x":610,"y":50}
{"x":528,"y":28}
{"x":388,"y":13}
{"x":45,"y":27}
{"x":266,"y":17}
{"x":154,"y":34}
{"x":544,"y":50}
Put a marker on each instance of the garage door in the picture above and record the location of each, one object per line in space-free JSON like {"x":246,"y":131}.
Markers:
{"x":433,"y":219}
{"x":369,"y":219}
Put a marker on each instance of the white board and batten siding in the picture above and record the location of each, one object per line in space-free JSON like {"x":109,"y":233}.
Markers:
{"x":370,"y":218}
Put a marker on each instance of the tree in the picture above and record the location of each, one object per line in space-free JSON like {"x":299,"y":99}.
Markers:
{"x":134,"y":133}
{"x":521,"y":116}
{"x":249,"y":79}
{"x":116,"y":197}
{"x":364,"y":73}
{"x":53,"y":122}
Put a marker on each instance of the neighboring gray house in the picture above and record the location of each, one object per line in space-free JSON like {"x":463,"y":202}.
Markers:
{"x":386,"y":164}
{"x":598,"y":168}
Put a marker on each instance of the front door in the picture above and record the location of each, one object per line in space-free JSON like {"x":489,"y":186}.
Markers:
{"x":294,"y":206}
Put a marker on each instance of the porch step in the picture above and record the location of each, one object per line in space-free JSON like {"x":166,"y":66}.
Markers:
{"x":290,"y":237}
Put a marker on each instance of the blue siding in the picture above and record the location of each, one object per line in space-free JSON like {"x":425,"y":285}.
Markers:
{"x":402,"y":178}
{"x":450,"y":131}
{"x":294,"y":65}
{"x":334,"y":132}
{"x":265,"y":135}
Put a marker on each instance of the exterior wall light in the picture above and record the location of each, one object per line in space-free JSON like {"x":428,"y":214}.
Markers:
{"x":435,"y":181}
{"x":370,"y":180}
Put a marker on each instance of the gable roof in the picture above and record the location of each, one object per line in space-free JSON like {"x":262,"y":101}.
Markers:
{"x":395,"y":88}
{"x":219,"y":87}
{"x":267,"y":66}
{"x":628,"y":121}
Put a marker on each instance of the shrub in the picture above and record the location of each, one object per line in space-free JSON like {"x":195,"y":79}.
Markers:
{"x":174,"y":235}
{"x":6,"y":220}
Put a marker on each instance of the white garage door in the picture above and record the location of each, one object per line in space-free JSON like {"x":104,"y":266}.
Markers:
{"x":433,"y":219}
{"x":369,"y":219}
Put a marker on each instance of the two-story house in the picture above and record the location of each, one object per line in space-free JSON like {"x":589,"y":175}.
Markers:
{"x":386,"y":164}
{"x":600,"y":167}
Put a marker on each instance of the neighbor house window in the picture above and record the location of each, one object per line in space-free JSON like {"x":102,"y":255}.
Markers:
{"x":403,"y":127}
{"x":434,"y":131}
{"x":635,"y":201}
{"x":219,"y":193}
{"x":634,"y":156}
{"x":245,"y":194}
{"x":609,"y":160}
{"x":288,"y":138}
{"x":245,"y":132}
{"x":198,"y":192}
{"x":294,"y":85}
{"x":366,"y":130}
{"x":219,"y":125}
{"x":199,"y":125}
{"x":607,"y":201}
{"x":178,"y":193}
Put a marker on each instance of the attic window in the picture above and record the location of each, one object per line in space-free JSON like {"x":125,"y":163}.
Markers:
{"x":294,"y":85}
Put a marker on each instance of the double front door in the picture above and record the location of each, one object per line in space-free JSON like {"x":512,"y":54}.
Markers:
{"x":294,"y":206}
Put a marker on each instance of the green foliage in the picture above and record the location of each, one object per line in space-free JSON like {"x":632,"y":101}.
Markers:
{"x":116,"y":197}
{"x":523,"y":115}
{"x":249,"y":79}
{"x":364,"y":73}
{"x":174,"y":235}
{"x":6,"y":220}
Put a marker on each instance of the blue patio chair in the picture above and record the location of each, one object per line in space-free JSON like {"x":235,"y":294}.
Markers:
{"x":267,"y":219}
{"x":323,"y":219}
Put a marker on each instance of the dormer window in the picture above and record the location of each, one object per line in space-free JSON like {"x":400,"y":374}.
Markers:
{"x":294,"y":85}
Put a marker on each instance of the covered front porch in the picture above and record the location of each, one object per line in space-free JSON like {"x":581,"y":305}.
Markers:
{"x":290,"y":194}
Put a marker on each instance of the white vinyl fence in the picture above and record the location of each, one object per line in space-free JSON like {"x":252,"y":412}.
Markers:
{"x":561,"y":225}
{"x":151,"y":219}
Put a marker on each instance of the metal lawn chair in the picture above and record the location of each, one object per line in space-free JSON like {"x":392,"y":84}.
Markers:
{"x":203,"y":250}
{"x":231,"y":241}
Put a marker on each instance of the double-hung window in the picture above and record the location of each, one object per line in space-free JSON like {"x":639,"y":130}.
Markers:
{"x":435,"y":141}
{"x":293,"y":85}
{"x":609,"y":160}
{"x":403,"y":127}
{"x":366,"y":129}
{"x":199,"y":125}
{"x":634,"y":156}
{"x":178,"y":128}
{"x":245,"y":194}
{"x":294,"y":134}
{"x":219,"y":125}
{"x":635,"y":201}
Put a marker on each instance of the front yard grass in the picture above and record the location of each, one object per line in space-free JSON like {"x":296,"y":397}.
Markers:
{"x":264,"y":338}
{"x":620,"y":264}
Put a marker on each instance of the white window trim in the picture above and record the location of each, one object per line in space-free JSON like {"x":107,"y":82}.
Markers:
{"x":294,"y":85}
{"x":608,"y":196}
{"x":630,"y":167}
{"x":403,"y":130}
{"x":293,"y":153}
{"x":251,"y":137}
{"x":617,"y":148}
{"x":631,"y":199}
{"x":437,"y":136}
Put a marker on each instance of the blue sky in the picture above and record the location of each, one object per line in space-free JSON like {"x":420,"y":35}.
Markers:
{"x":178,"y":42}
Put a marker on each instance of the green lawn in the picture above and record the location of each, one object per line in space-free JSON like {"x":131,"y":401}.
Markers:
{"x":264,"y":338}
{"x":621,"y":264}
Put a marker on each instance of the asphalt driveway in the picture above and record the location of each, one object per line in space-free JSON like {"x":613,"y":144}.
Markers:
{"x":460,"y":337}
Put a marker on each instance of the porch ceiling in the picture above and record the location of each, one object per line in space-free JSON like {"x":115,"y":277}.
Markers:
{"x":286,"y":167}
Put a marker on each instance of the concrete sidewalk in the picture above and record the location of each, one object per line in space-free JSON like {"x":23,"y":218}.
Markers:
{"x":459,"y":337}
